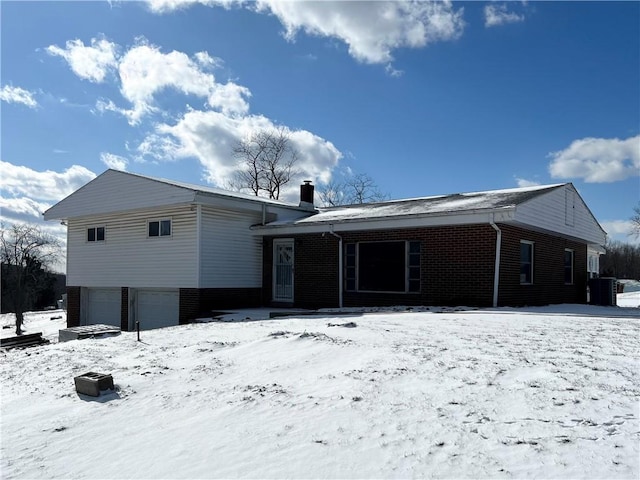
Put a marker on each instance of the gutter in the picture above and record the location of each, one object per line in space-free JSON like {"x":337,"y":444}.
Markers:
{"x":496,"y":268}
{"x":340,"y":273}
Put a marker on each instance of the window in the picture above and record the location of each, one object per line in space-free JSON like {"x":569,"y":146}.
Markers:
{"x":568,"y":267}
{"x":382,"y":266}
{"x":526,"y":262}
{"x":159,"y":228}
{"x":95,"y":234}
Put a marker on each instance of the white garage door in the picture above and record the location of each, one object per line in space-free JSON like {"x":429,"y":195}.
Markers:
{"x":158,"y":308}
{"x":103,"y":306}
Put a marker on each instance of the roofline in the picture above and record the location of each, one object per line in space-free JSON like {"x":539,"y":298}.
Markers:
{"x":502,"y":214}
{"x":218,"y":193}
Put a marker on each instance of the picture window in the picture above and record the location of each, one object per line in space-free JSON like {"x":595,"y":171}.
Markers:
{"x":382,"y":266}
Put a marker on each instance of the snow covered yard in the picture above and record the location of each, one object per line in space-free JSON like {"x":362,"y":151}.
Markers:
{"x":547,"y":392}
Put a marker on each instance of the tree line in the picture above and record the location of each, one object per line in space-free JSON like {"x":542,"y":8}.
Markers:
{"x":622,"y":260}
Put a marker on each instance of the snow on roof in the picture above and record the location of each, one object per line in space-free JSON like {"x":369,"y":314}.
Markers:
{"x":434,"y":205}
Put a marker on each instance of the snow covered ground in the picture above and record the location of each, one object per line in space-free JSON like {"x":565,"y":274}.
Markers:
{"x":546,"y":392}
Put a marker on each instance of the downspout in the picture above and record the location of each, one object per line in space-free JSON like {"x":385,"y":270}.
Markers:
{"x":496,"y":268}
{"x":198,"y":244}
{"x":264,"y":214}
{"x":340,"y":273}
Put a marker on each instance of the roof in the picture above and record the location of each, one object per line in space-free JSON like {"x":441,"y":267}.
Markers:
{"x":212,"y":190}
{"x":117,"y":191}
{"x":435,"y":206}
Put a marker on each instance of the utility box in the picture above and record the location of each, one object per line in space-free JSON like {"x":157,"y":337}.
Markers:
{"x":93,"y":384}
{"x":602,"y":291}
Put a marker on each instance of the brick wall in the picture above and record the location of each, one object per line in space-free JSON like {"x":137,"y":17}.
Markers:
{"x":124,"y":309}
{"x":200,"y":302}
{"x":73,"y":306}
{"x":457,"y":268}
{"x":189,"y":308}
{"x":548,"y":270}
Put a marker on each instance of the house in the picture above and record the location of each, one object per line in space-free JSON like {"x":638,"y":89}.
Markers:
{"x":521,"y":246}
{"x":159,"y":252}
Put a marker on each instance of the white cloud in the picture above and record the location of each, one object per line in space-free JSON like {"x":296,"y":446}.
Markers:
{"x":164,"y":6}
{"x":88,"y":62}
{"x":207,"y":134}
{"x":27,"y":193}
{"x":22,"y":208}
{"x":495,"y":15}
{"x":11,"y":94}
{"x":145,"y":71}
{"x":620,"y":230}
{"x":114,"y":161}
{"x":43,"y":185}
{"x":210,"y":136}
{"x":371,"y":30}
{"x":598,"y":160}
{"x":523,"y":182}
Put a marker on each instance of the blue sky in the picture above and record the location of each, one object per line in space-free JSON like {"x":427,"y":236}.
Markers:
{"x":427,"y":98}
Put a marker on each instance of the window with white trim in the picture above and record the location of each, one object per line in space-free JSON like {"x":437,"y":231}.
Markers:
{"x":526,"y":262}
{"x":383,"y":266}
{"x":159,"y":228}
{"x":95,"y":234}
{"x":568,"y":266}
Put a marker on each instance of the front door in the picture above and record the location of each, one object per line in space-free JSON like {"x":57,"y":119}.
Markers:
{"x":283,"y":270}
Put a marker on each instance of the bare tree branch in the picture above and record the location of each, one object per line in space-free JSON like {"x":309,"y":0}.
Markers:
{"x":266,"y":163}
{"x":26,"y":252}
{"x":635,"y":221}
{"x":356,"y":189}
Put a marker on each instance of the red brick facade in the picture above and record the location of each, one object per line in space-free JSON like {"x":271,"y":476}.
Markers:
{"x":200,"y":302}
{"x":73,"y":306}
{"x":456,"y":268}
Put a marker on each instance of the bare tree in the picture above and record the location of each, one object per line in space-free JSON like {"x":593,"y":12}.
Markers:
{"x":26,"y":253}
{"x":354,"y":189}
{"x":266,"y":163}
{"x":635,"y":221}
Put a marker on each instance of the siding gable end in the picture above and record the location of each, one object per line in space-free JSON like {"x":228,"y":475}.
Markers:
{"x":561,"y":210}
{"x":115,"y":191}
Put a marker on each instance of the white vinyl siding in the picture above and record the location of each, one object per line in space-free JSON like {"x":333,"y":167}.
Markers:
{"x":230,"y":257}
{"x":563,"y":211}
{"x":130,"y":258}
{"x":119,"y":192}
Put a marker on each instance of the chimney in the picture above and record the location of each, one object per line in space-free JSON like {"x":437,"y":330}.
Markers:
{"x":306,"y":194}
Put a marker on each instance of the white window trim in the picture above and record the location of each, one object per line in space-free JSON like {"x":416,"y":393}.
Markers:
{"x":151,"y":220}
{"x":529,"y":242}
{"x":86,"y":238}
{"x":573,"y":265}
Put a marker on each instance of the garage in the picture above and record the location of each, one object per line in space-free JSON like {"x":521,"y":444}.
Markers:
{"x":157,"y":308}
{"x":103,"y":306}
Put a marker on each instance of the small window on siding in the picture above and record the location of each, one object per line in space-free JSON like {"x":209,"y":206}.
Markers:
{"x":526,"y":262}
{"x":95,"y":234}
{"x":568,"y":267}
{"x":160,"y":228}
